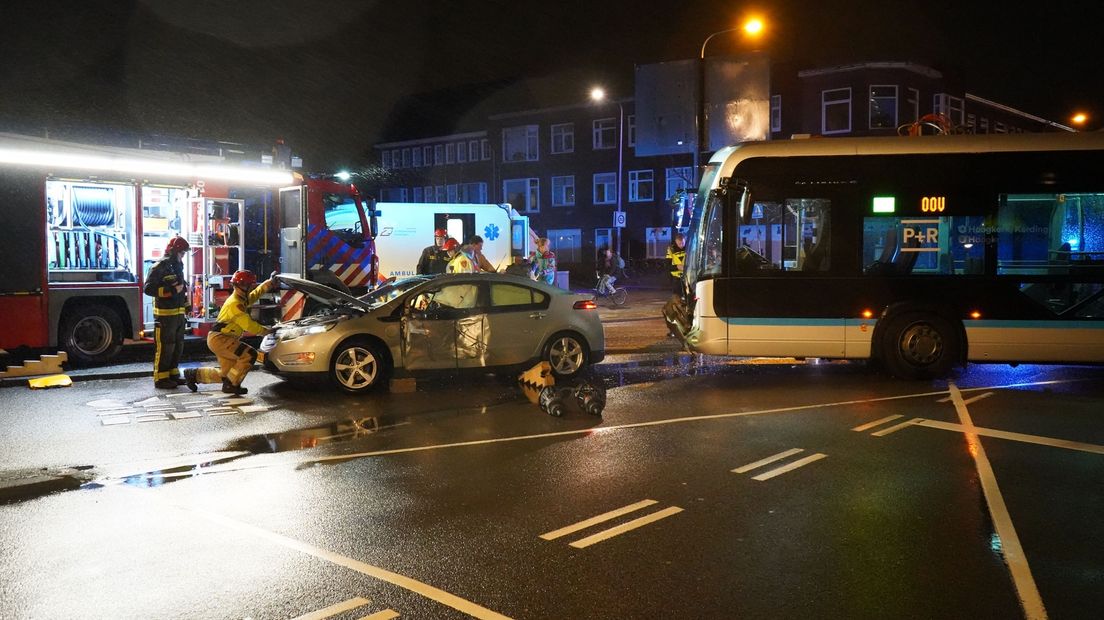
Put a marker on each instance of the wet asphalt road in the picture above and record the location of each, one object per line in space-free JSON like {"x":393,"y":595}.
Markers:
{"x":464,"y":500}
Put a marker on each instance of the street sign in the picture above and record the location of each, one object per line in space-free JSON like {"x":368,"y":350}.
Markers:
{"x":619,"y":219}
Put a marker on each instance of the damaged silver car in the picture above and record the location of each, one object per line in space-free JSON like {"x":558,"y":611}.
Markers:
{"x":451,"y":322}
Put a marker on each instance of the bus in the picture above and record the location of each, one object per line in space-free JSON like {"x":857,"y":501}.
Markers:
{"x":917,"y":253}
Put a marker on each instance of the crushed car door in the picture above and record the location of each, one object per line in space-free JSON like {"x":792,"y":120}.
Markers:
{"x":429,"y":325}
{"x":516,"y":323}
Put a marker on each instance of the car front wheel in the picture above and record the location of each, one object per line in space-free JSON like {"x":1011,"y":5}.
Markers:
{"x":358,"y":367}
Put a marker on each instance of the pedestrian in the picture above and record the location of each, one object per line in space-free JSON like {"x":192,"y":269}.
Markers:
{"x":611,"y":268}
{"x":235,"y":357}
{"x":165,"y":283}
{"x":459,"y":258}
{"x":676,"y":253}
{"x":481,"y":262}
{"x":434,"y":259}
{"x":543,"y":261}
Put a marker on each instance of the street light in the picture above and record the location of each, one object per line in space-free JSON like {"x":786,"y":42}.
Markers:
{"x":597,"y":94}
{"x":1079,"y":118}
{"x":752,"y":27}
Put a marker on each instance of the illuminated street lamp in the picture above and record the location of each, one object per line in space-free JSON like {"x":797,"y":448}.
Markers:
{"x":598,"y":95}
{"x":752,"y":27}
{"x":1079,"y":119}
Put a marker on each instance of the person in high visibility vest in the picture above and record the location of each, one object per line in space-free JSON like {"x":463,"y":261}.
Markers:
{"x":235,"y":357}
{"x":166,"y":284}
{"x":460,"y":262}
{"x":676,"y":253}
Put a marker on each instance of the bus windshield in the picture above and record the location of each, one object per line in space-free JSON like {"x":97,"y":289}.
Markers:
{"x":703,"y":251}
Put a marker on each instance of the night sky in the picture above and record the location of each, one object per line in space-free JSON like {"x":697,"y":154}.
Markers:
{"x":333,"y":76}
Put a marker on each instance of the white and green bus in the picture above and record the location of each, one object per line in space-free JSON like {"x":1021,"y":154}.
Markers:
{"x":921,"y":253}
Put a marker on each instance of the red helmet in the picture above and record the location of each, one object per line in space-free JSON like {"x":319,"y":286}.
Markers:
{"x":243,"y":278}
{"x":440,"y":232}
{"x":451,"y":244}
{"x":177,"y":244}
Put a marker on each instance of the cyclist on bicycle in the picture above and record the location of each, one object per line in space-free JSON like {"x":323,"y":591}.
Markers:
{"x":611,"y":267}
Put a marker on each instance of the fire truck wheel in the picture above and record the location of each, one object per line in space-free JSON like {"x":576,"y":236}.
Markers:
{"x":92,"y":334}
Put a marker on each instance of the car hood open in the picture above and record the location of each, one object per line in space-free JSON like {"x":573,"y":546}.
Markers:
{"x":322,"y":293}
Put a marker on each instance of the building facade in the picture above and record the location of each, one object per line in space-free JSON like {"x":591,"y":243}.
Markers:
{"x":573,"y":168}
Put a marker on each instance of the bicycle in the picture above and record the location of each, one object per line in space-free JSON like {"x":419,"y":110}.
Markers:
{"x":616,"y":295}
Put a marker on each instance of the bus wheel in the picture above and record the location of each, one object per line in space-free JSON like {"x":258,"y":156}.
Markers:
{"x":919,"y":346}
{"x":92,"y":334}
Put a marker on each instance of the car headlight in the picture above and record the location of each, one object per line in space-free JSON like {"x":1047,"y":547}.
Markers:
{"x":291,"y":333}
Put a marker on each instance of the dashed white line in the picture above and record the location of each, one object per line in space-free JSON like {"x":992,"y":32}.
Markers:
{"x":766,"y":461}
{"x":606,"y":516}
{"x":333,"y":610}
{"x":625,"y":527}
{"x":790,"y":467}
{"x":870,"y":425}
{"x":896,"y":427}
{"x":387,"y":614}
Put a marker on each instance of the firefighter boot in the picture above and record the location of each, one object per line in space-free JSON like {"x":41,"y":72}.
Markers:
{"x":190,"y":379}
{"x":230,"y":388}
{"x":168,"y":383}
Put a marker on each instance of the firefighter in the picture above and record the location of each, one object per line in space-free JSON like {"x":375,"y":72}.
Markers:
{"x":235,"y":357}
{"x":434,"y":259}
{"x":166,"y":284}
{"x":459,"y":258}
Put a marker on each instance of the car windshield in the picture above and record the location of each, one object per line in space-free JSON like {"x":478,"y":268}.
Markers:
{"x":391,"y":290}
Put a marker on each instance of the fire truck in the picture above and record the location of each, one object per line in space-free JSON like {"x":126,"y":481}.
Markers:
{"x":83,"y":224}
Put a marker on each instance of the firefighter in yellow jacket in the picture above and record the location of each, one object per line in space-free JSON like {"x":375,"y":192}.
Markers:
{"x":235,"y":357}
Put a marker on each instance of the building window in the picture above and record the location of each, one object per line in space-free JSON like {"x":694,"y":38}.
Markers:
{"x":473,"y":150}
{"x":971,"y":123}
{"x":999,"y":127}
{"x":419,"y":196}
{"x":912,"y":105}
{"x":835,"y":111}
{"x":983,"y":125}
{"x":429,"y":193}
{"x":775,"y":114}
{"x":563,"y":191}
{"x":450,"y":153}
{"x":678,"y":179}
{"x":461,"y":152}
{"x":567,"y":244}
{"x":396,"y":158}
{"x":406,"y":158}
{"x":952,"y":107}
{"x":883,"y":107}
{"x":393,"y":194}
{"x":417,"y":157}
{"x":485,"y":145}
{"x":427,"y":155}
{"x":605,"y":188}
{"x":605,"y":133}
{"x":563,"y":138}
{"x":385,"y":160}
{"x":603,"y":238}
{"x":657,"y":240}
{"x":438,"y":154}
{"x":630,"y":128}
{"x":473,"y":193}
{"x":523,"y":194}
{"x":520,"y":143}
{"x":441,"y":195}
{"x":641,"y":185}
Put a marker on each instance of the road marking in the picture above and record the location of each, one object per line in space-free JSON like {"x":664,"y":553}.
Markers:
{"x":870,"y":425}
{"x":595,"y":431}
{"x":792,"y":466}
{"x":1022,"y":578}
{"x":968,"y":401}
{"x":625,"y":527}
{"x":613,"y":514}
{"x":333,"y":610}
{"x":1021,"y":437}
{"x":769,"y":459}
{"x":428,"y":591}
{"x":386,"y":614}
{"x":897,"y":427}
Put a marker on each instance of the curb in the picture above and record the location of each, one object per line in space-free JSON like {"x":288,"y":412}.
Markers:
{"x":22,"y":486}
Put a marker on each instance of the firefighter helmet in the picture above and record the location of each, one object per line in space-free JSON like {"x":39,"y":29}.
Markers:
{"x":440,"y":232}
{"x":177,"y":244}
{"x":244,"y":278}
{"x":451,"y":244}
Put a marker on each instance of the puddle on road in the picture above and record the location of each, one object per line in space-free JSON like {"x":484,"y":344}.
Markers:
{"x":315,"y":436}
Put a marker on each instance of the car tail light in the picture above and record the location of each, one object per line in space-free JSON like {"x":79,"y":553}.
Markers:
{"x":585,"y":304}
